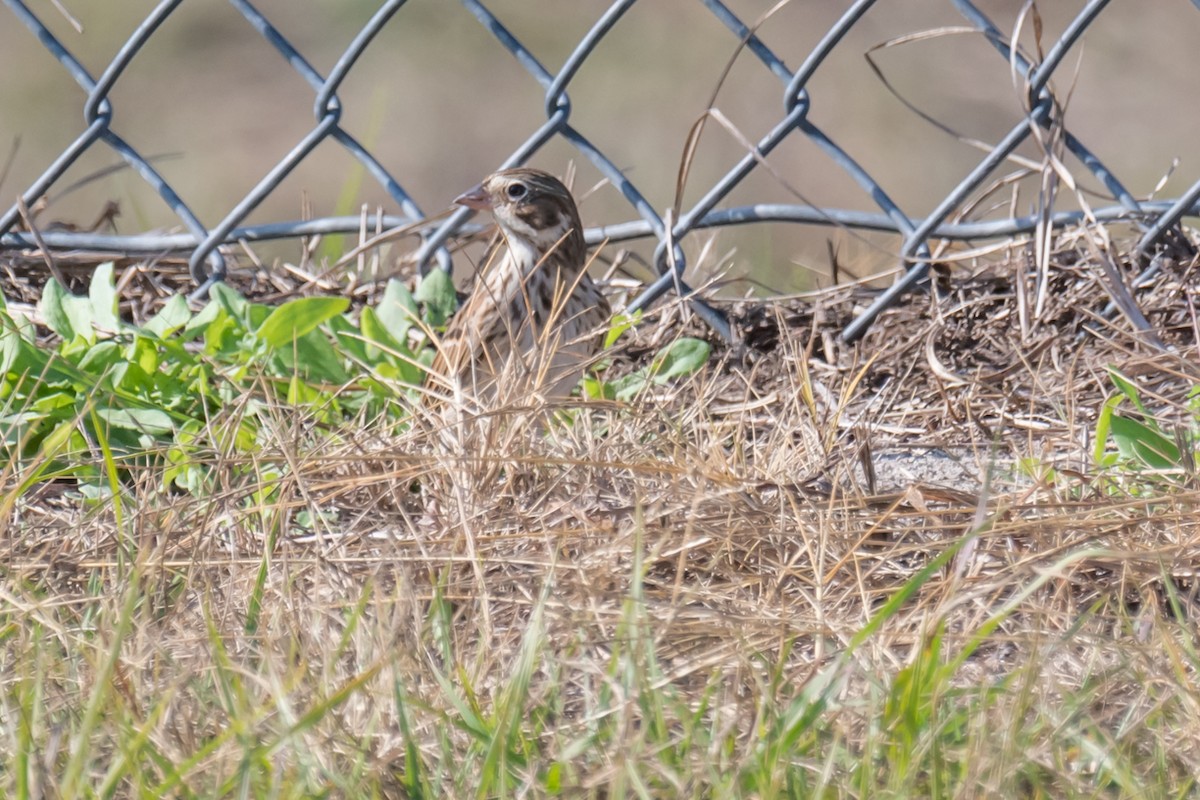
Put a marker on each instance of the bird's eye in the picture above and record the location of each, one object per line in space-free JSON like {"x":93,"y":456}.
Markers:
{"x":516,"y":191}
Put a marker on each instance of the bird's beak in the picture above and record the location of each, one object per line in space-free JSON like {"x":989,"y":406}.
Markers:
{"x":475,"y":198}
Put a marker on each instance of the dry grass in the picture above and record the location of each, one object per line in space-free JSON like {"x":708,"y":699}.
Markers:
{"x":702,"y":593}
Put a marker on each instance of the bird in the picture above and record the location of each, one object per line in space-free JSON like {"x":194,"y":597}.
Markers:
{"x":534,"y":318}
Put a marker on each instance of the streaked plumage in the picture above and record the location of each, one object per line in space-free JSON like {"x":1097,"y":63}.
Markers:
{"x":534,"y":317}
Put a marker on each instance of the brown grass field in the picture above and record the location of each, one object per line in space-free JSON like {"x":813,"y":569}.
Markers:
{"x":893,"y":569}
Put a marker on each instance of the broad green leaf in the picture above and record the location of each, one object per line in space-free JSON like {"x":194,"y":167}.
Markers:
{"x":10,"y":347}
{"x":42,"y":366}
{"x":21,"y":356}
{"x":256,"y":315}
{"x":102,"y":298}
{"x":53,"y":307}
{"x":294,"y":319}
{"x":189,"y":477}
{"x":314,"y":358}
{"x":413,"y":370}
{"x":205,"y":317}
{"x":54,"y":402}
{"x":98,"y":358}
{"x":318,"y":356}
{"x":1142,"y":443}
{"x":174,"y":315}
{"x":681,"y":357}
{"x":387,"y":352}
{"x":230,"y":300}
{"x":143,"y":352}
{"x":436,"y":291}
{"x":79,"y":312}
{"x":129,"y":377}
{"x":223,"y":335}
{"x":245,"y":438}
{"x":249,"y":316}
{"x":349,"y":338}
{"x":375,"y":331}
{"x":398,"y":309}
{"x":96,"y":492}
{"x":143,"y":420}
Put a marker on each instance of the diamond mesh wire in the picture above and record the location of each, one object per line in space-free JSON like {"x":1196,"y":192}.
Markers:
{"x":1043,"y":113}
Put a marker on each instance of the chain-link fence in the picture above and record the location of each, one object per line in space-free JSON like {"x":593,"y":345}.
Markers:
{"x":1042,"y":121}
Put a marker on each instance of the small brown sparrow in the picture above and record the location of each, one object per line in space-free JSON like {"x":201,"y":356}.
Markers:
{"x":534,"y":317}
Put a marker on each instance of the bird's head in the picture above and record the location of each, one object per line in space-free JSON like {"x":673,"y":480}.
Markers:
{"x":531,"y":205}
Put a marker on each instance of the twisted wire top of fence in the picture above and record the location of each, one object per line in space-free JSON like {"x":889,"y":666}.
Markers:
{"x":1029,"y":69}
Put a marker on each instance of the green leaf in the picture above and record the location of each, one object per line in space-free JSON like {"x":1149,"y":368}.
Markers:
{"x":142,"y":420}
{"x":414,"y":372}
{"x":59,"y":440}
{"x":256,"y":315}
{"x":436,"y":292}
{"x":410,"y":368}
{"x":23,"y":326}
{"x":1128,"y":388}
{"x":620,"y":323}
{"x":19,"y":356}
{"x":174,"y":315}
{"x":230,"y":300}
{"x":349,"y":338}
{"x":129,"y":377}
{"x":1144,"y":444}
{"x":597,"y":389}
{"x":223,"y":335}
{"x":18,"y":428}
{"x":554,"y":778}
{"x":55,"y":401}
{"x":378,"y":333}
{"x":294,"y":319}
{"x":628,"y":386}
{"x":300,"y":392}
{"x":398,"y":309}
{"x":314,"y":358}
{"x":102,"y":297}
{"x":98,"y":358}
{"x":681,"y":357}
{"x":54,"y":309}
{"x":1104,"y":427}
{"x":143,"y":352}
{"x":198,"y":324}
{"x":12,"y":348}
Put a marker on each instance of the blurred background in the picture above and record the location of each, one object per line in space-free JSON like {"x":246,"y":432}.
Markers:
{"x":441,"y":104}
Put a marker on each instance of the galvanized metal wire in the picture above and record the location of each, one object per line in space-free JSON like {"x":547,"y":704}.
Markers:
{"x":1155,"y":219}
